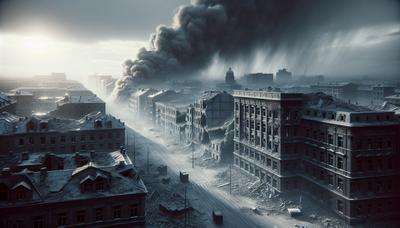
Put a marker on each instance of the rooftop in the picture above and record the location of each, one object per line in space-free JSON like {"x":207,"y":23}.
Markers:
{"x":5,"y":100}
{"x":79,"y":99}
{"x":95,"y":120}
{"x":65,"y":185}
{"x":267,"y":95}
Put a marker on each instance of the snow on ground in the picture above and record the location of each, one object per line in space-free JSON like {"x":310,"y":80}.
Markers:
{"x":208,"y":189}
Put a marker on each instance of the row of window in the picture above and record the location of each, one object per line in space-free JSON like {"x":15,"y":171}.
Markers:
{"x":62,"y":139}
{"x":85,"y":216}
{"x":256,"y":171}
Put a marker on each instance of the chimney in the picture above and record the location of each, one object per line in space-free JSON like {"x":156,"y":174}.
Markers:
{"x":24,"y":156}
{"x":6,"y":172}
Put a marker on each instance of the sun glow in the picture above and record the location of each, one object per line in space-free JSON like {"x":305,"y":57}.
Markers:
{"x":40,"y":53}
{"x":36,"y":42}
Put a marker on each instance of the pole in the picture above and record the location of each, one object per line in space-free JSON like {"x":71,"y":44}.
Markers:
{"x":230,"y":179}
{"x":134,"y":150}
{"x":192,"y":158}
{"x":185,"y":207}
{"x":148,"y":168}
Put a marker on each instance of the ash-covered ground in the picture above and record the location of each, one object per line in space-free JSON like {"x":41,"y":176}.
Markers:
{"x":249,"y":204}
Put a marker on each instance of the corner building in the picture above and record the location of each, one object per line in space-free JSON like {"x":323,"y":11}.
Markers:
{"x":340,"y":154}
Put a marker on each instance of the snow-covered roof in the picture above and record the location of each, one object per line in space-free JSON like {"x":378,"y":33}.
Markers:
{"x":79,"y":99}
{"x":85,"y":123}
{"x":5,"y":100}
{"x":326,"y":102}
{"x":64,"y":185}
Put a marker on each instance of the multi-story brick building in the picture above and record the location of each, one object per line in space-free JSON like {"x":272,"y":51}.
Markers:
{"x":341,"y":154}
{"x":96,"y":131}
{"x":104,"y":192}
{"x":266,"y":136}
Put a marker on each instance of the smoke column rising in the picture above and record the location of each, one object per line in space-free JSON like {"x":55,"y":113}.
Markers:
{"x":234,"y":29}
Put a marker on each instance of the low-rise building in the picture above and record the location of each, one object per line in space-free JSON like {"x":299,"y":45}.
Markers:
{"x":76,"y":107}
{"x":25,"y":102}
{"x":393,"y":99}
{"x":338,"y":90}
{"x":258,"y":80}
{"x":283,"y":76}
{"x":138,"y":101}
{"x":106,"y":191}
{"x":379,"y":93}
{"x":7,"y":103}
{"x":95,"y":131}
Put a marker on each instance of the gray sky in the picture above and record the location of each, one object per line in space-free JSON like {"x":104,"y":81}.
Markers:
{"x":88,"y":20}
{"x":83,"y":37}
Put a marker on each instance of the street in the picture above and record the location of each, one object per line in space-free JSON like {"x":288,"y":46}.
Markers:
{"x":203,"y":196}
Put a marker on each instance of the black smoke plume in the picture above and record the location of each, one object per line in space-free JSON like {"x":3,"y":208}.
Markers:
{"x":235,"y":28}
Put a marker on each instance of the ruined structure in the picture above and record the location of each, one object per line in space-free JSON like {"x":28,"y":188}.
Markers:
{"x":341,"y":154}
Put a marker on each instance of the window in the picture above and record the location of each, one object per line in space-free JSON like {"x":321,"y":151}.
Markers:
{"x":340,"y":141}
{"x":340,"y":206}
{"x":3,"y":193}
{"x":330,"y":138}
{"x":340,"y":184}
{"x":99,"y":186}
{"x":330,"y":179}
{"x":43,"y":140}
{"x":98,"y":212}
{"x":21,"y":142}
{"x":80,"y":216}
{"x":117,"y":212}
{"x":21,"y":194}
{"x":268,"y":162}
{"x":62,"y":219}
{"x":83,"y":137}
{"x":73,"y":138}
{"x":274,"y":165}
{"x":370,"y":164}
{"x":133,"y":210}
{"x":340,"y":163}
{"x":274,"y":183}
{"x":38,"y":222}
{"x":62,"y":139}
{"x":330,"y":159}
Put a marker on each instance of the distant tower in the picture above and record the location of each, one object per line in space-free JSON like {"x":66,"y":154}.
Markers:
{"x":230,"y":77}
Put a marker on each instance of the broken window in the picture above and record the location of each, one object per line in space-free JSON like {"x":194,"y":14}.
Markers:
{"x":340,"y":184}
{"x":340,"y":206}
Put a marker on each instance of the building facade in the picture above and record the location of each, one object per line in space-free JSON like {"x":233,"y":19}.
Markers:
{"x":95,"y":131}
{"x":380,"y":92}
{"x":76,"y":107}
{"x":344,"y":91}
{"x":340,"y":154}
{"x":90,"y":195}
{"x":7,"y":103}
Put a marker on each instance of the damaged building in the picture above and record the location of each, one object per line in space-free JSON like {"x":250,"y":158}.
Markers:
{"x":106,"y":191}
{"x":341,"y":154}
